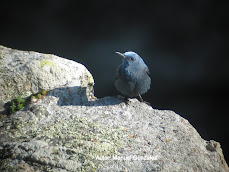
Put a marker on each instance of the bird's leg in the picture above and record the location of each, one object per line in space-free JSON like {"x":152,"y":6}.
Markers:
{"x":141,"y":100}
{"x":126,"y":100}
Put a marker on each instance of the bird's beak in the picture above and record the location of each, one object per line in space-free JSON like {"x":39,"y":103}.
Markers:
{"x":121,"y":54}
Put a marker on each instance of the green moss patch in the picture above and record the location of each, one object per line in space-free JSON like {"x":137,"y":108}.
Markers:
{"x":19,"y":103}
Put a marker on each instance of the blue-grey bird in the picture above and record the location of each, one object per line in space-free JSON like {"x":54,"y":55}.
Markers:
{"x":132,"y":75}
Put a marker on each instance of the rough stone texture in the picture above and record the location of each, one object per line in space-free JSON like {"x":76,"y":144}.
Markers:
{"x":100,"y":135}
{"x":24,"y":72}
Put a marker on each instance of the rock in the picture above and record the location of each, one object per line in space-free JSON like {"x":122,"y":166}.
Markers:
{"x":23,"y":73}
{"x":99,"y":135}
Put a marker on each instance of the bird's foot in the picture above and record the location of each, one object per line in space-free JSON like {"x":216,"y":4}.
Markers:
{"x":126,"y":100}
{"x":141,"y":100}
{"x":148,"y":103}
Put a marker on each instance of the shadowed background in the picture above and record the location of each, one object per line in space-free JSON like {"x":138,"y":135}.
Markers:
{"x":182,"y":42}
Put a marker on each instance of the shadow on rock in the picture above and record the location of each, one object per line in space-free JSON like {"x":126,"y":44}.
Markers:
{"x":106,"y":101}
{"x":81,"y":96}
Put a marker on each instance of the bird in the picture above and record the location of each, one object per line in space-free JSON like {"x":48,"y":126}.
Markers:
{"x":132,"y":75}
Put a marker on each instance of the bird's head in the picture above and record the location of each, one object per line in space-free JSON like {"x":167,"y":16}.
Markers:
{"x":130,"y":57}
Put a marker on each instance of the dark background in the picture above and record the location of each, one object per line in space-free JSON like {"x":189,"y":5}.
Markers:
{"x":184,"y":43}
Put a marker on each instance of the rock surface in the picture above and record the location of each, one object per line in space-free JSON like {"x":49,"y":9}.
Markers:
{"x":91,"y":135}
{"x":24,"y":72}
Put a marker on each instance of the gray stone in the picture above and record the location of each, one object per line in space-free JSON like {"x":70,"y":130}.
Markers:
{"x":23,"y":73}
{"x":101,"y":135}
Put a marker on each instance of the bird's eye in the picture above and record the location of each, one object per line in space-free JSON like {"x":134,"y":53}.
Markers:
{"x":132,"y":59}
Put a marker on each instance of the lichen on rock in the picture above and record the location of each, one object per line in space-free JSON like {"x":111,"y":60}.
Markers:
{"x":46,"y":62}
{"x":74,"y":138}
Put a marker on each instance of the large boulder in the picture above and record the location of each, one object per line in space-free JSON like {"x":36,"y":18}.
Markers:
{"x":23,"y":73}
{"x":60,"y":133}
